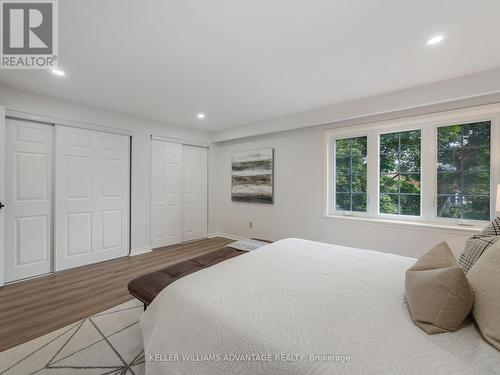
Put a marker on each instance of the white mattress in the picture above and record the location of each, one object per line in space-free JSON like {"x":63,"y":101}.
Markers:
{"x":296,"y":297}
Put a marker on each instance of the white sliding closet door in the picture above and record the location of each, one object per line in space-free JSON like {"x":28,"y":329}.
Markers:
{"x":28,"y":204}
{"x":92,"y":188}
{"x":166,"y":193}
{"x":194,"y":186}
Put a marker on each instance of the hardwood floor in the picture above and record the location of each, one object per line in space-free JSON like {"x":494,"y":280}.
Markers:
{"x":33,"y":308}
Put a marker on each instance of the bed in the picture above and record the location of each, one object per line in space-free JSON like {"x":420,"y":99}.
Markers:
{"x":302,"y":307}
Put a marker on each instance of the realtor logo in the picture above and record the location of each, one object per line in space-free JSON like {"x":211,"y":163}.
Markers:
{"x":29,"y":34}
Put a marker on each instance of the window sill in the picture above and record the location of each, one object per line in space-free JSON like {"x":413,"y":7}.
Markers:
{"x":417,"y":225}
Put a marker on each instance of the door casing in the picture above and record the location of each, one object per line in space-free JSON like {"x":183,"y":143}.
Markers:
{"x":2,"y":193}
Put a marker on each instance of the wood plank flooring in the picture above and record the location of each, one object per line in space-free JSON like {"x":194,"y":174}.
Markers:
{"x":33,"y":308}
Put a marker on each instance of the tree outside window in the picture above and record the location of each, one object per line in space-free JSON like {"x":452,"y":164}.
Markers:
{"x":463,"y":171}
{"x":350,"y":174}
{"x":400,"y":173}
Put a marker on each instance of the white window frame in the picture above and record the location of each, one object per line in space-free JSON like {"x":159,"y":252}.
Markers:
{"x":494,"y":166}
{"x":333,"y":162}
{"x":396,"y":216}
{"x":428,"y":124}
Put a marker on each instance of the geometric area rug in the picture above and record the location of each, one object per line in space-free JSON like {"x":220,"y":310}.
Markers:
{"x":107,"y":343}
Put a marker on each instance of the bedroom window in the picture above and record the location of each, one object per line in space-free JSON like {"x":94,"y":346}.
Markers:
{"x":350,"y":173}
{"x":439,"y":169}
{"x":463,"y":171}
{"x":399,"y":166}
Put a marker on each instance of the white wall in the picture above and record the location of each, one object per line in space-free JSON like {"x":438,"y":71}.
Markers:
{"x":141,"y":131}
{"x":298,"y":206}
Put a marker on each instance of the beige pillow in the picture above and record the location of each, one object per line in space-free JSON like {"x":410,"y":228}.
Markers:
{"x":438,"y":292}
{"x":484,"y":278}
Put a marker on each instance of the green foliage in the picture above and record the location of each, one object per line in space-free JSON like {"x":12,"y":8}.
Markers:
{"x":389,"y":204}
{"x":463,"y":172}
{"x":400,"y":173}
{"x":350,"y":172}
{"x":463,"y":179}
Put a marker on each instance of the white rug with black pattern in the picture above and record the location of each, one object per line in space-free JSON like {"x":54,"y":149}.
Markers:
{"x":106,"y":343}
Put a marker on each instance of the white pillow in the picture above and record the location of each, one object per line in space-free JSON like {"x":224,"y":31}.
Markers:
{"x":484,"y":279}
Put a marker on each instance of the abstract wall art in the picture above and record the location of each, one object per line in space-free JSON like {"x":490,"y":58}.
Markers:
{"x":253,"y":176}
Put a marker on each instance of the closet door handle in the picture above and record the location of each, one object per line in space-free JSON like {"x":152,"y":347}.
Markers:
{"x":2,"y":205}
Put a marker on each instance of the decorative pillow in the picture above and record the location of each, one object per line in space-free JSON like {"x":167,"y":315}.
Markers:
{"x":477,"y":244}
{"x":484,"y":278}
{"x":438,"y":293}
{"x":474,"y":248}
{"x":493,"y":228}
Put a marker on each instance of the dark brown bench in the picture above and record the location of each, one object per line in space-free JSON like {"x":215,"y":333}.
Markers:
{"x":146,"y":287}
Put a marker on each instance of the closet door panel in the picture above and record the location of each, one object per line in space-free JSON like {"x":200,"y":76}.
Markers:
{"x":29,"y":151}
{"x":78,"y":233}
{"x":112,"y":193}
{"x":74,"y":224}
{"x":194,"y":167}
{"x":166,"y":197}
{"x":92,"y":196}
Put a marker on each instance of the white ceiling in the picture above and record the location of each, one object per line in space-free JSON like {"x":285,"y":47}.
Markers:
{"x":242,"y":61}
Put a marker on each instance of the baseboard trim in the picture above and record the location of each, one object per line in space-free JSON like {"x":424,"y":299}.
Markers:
{"x":226,"y":235}
{"x":139,"y":251}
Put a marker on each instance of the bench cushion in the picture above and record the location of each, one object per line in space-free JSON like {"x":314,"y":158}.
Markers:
{"x":148,"y":286}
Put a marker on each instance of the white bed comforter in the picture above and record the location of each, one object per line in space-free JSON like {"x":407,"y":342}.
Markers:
{"x":302,"y":307}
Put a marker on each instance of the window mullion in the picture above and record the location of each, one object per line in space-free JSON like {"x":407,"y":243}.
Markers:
{"x":428,"y":169}
{"x":373,"y":172}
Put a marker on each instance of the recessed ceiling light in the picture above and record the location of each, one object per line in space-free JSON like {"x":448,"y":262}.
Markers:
{"x":435,"y":40}
{"x":58,"y":72}
{"x":200,"y":115}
